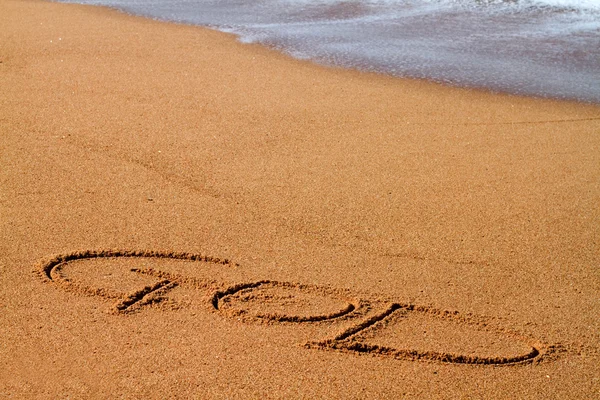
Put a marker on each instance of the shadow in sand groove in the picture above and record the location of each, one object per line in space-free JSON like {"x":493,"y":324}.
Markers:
{"x":367,"y":325}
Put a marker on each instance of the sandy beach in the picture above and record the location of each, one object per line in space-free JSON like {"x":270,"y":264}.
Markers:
{"x":186,"y":216}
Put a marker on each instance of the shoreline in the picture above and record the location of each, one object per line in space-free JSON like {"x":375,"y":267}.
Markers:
{"x":282,"y":53}
{"x":522,"y":90}
{"x":168,"y":170}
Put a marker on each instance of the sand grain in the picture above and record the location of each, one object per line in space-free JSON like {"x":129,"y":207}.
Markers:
{"x":172,"y":142}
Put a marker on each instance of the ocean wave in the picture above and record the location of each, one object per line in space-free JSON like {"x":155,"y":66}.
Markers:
{"x":540,"y":47}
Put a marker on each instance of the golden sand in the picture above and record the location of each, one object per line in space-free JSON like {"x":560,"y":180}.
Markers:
{"x":182,"y":215}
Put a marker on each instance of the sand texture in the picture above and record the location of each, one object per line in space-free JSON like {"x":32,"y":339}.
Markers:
{"x":185,"y":216}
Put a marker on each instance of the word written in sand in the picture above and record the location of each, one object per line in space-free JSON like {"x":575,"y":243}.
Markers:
{"x":135,"y":280}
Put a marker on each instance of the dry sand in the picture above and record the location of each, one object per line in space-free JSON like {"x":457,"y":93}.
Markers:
{"x":182,"y":215}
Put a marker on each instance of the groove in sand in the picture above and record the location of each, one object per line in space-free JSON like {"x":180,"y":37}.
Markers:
{"x":286,"y":302}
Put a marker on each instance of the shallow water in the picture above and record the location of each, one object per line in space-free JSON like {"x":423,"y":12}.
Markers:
{"x":548,"y":48}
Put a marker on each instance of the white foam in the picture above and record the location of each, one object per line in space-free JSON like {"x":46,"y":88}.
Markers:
{"x":514,"y":5}
{"x":573,"y":4}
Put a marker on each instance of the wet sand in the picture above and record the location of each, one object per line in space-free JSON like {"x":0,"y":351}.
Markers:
{"x":182,"y":215}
